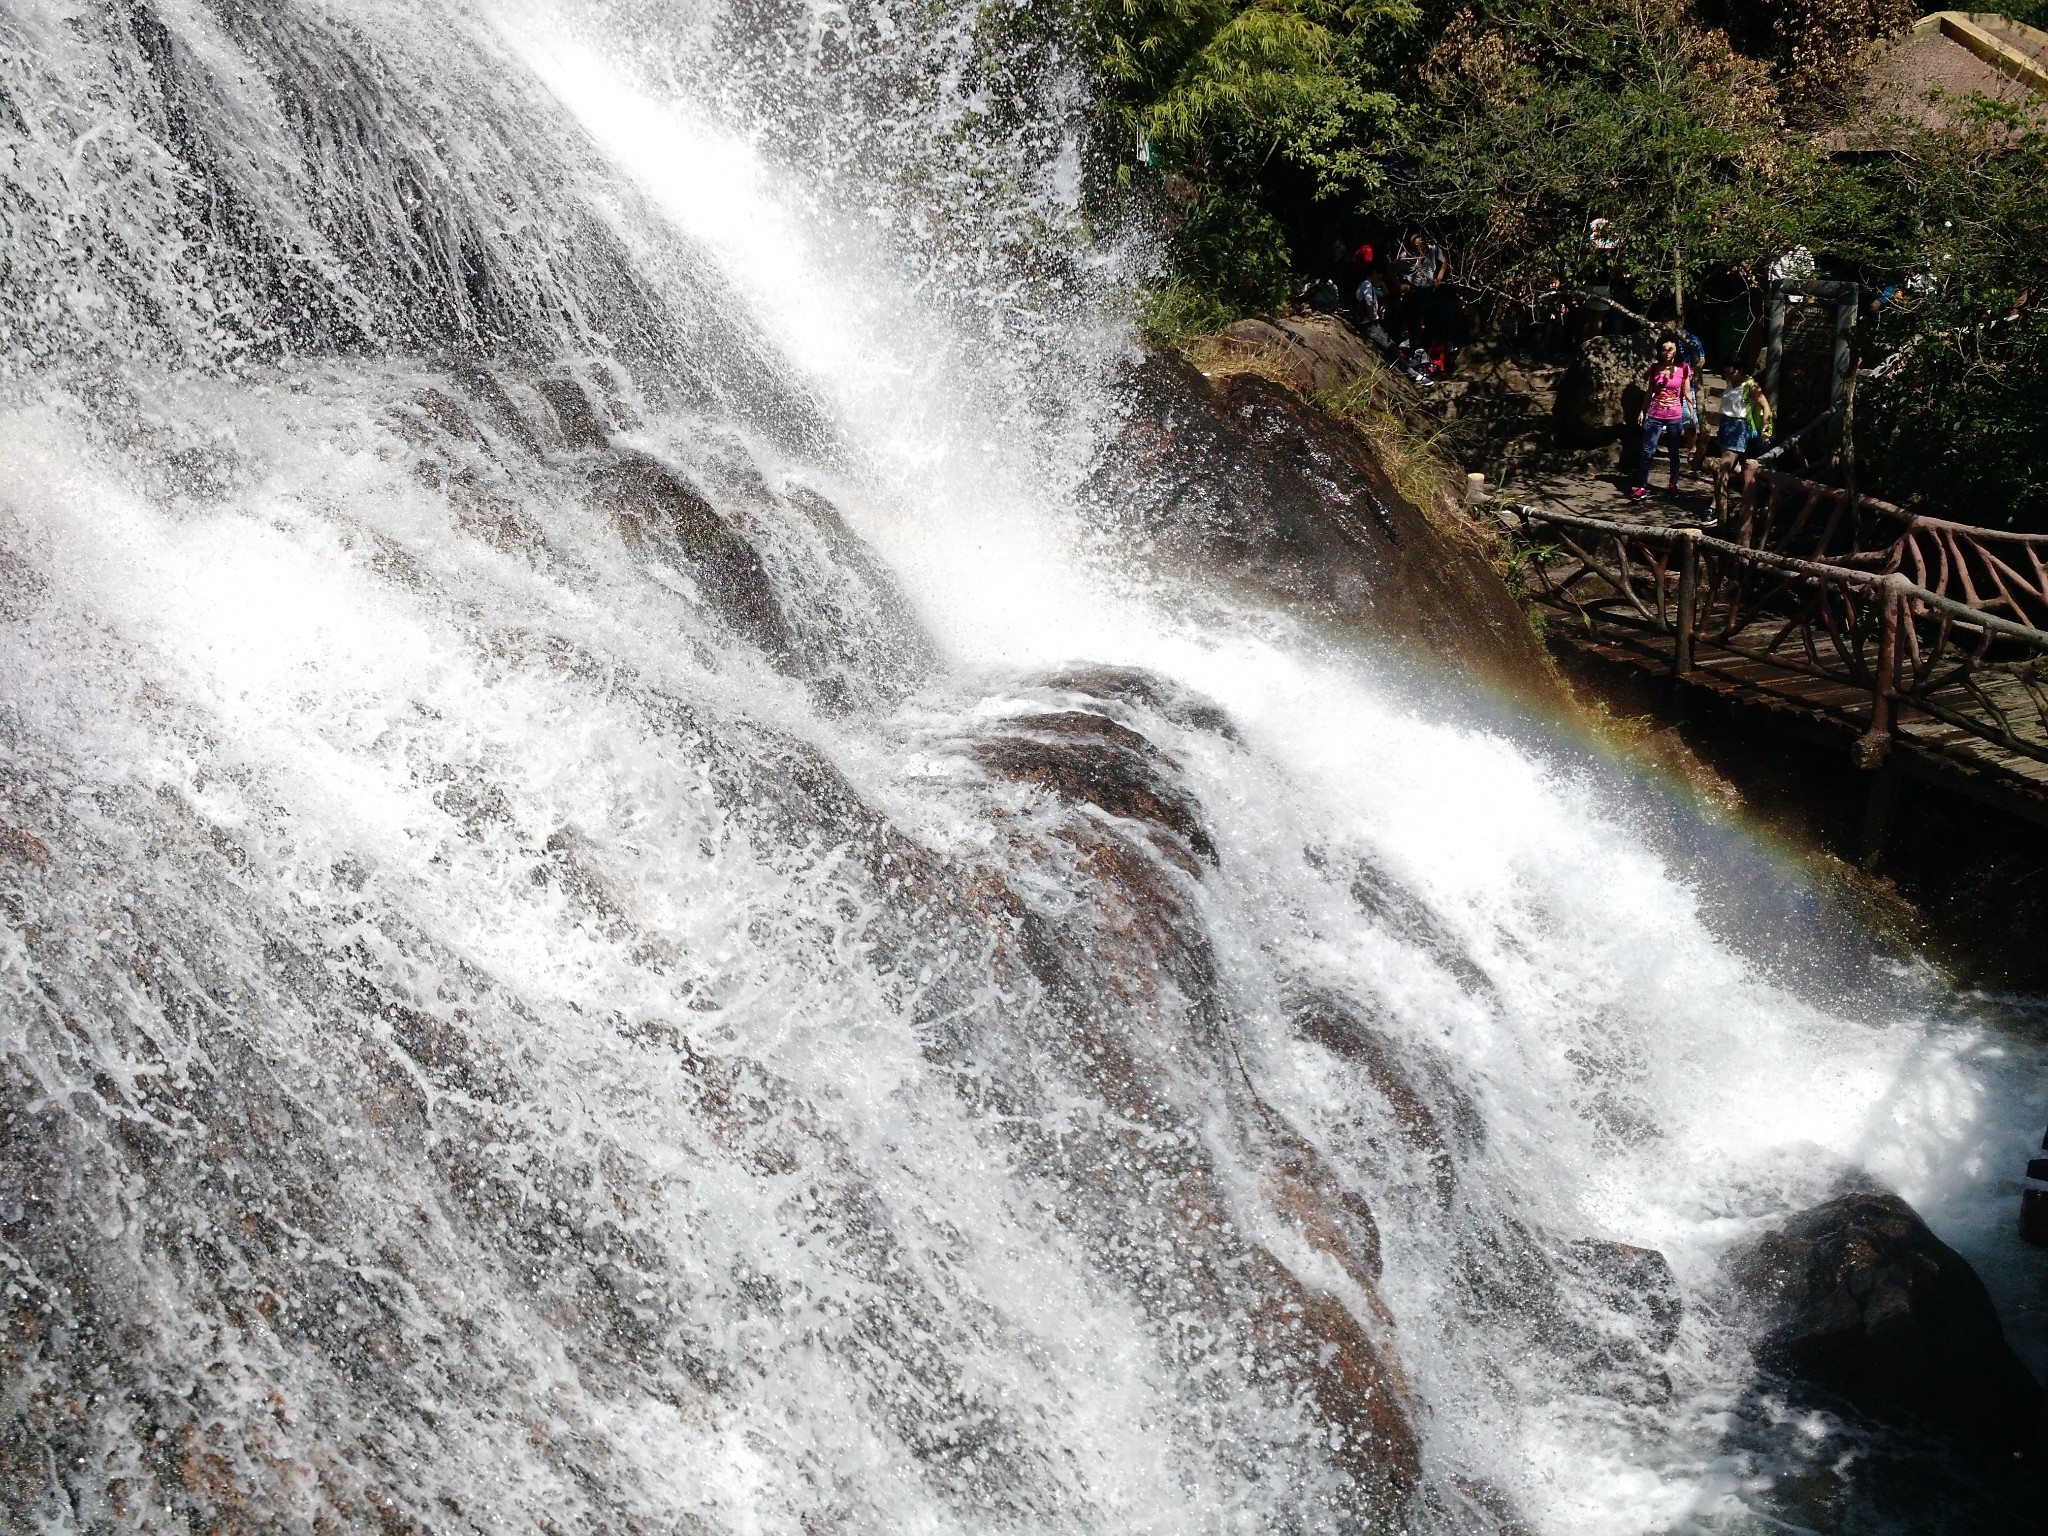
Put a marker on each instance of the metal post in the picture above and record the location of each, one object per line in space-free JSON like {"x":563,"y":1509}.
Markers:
{"x":1846,"y":313}
{"x":1688,"y":593}
{"x":1845,"y":347}
{"x":2034,"y":1201}
{"x":1774,"y":332}
{"x":1873,"y":750}
{"x":1862,"y":522}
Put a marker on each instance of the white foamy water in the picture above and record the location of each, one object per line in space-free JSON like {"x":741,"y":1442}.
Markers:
{"x":516,"y":1018}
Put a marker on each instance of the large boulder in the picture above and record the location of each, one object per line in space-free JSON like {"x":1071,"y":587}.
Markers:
{"x":1602,"y":390}
{"x":1317,"y":354}
{"x":1859,"y":1298}
{"x":1239,"y":475}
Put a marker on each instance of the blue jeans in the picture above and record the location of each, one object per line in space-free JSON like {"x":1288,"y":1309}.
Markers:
{"x":1654,"y":432}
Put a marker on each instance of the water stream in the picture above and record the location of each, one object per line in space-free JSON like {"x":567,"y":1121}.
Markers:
{"x":551,"y":979}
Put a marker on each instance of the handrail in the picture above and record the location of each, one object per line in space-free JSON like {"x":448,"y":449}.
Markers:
{"x":1877,"y":632}
{"x":1665,"y":533}
{"x":1800,"y":436}
{"x":1971,"y":530}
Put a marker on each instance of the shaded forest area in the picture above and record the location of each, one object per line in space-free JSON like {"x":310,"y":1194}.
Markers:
{"x":1268,"y":137}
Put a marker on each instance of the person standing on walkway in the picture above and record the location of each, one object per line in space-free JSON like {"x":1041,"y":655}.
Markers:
{"x":1369,"y":311}
{"x":1756,"y":406}
{"x":1735,"y":435}
{"x":1745,"y":413}
{"x":1744,"y":430}
{"x":1423,"y":262}
{"x":1672,"y":388}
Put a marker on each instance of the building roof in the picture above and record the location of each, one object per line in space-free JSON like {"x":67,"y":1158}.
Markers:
{"x":1924,"y":76}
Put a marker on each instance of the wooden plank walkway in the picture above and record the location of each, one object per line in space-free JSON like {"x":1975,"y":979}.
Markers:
{"x":1762,"y":667}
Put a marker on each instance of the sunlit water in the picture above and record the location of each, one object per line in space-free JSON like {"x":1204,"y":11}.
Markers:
{"x":466,"y":1066}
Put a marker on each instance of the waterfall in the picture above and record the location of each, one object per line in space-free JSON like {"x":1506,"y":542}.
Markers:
{"x":624,"y":911}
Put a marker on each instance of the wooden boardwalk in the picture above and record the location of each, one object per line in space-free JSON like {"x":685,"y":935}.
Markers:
{"x":1837,"y":714}
{"x":1924,"y":665}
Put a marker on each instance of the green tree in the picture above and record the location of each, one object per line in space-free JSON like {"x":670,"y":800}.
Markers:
{"x":1217,"y":98}
{"x":1542,"y":115}
{"x":1955,"y":417}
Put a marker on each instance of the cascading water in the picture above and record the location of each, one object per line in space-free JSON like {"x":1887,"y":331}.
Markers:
{"x":623,"y":913}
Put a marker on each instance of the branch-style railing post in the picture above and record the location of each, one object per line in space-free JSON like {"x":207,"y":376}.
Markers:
{"x":1872,"y":746}
{"x":1688,"y":600}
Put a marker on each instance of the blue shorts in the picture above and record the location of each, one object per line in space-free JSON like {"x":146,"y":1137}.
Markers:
{"x":1734,"y":435}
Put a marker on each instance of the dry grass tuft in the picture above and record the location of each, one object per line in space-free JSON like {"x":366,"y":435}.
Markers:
{"x":1220,"y":358}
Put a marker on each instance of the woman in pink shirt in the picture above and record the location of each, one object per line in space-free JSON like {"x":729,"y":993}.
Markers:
{"x":1672,"y":388}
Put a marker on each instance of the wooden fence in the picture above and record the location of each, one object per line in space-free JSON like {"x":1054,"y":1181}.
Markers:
{"x":1941,"y":624}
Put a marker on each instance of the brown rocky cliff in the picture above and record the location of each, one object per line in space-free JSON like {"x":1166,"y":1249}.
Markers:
{"x":1241,"y":475}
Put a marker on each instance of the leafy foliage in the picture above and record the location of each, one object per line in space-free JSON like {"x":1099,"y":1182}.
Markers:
{"x":1957,"y":417}
{"x":2033,"y":12}
{"x":1544,"y":114}
{"x":1226,"y":94}
{"x":1821,"y":43}
{"x":1505,"y":126}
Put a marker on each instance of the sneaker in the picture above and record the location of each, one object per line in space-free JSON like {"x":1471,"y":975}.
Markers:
{"x":1637,"y":492}
{"x":1671,"y":489}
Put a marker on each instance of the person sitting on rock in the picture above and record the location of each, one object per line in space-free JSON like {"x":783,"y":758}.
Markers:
{"x":1369,"y":312}
{"x":1425,"y":269}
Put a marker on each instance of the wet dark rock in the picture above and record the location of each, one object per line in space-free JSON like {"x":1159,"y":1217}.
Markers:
{"x":1620,"y":1119}
{"x":497,"y":520}
{"x":573,"y":864}
{"x":1086,"y":758}
{"x":1266,"y":342}
{"x":1409,"y":916}
{"x":25,"y":846}
{"x":1133,"y":685}
{"x":574,"y":414}
{"x":1332,"y":1219}
{"x":1343,"y":1030}
{"x":1857,"y":1296}
{"x":1317,"y":353}
{"x":1241,"y":476}
{"x":1602,"y":1314}
{"x":655,"y":506}
{"x":1636,"y":1283}
{"x":448,"y":414}
{"x":483,"y":387}
{"x":1147,"y":931}
{"x":1474,"y":1507}
{"x":780,"y":567}
{"x":1135,"y":953}
{"x":862,"y":637}
{"x":22,"y":586}
{"x":1313,"y":1337}
{"x":1130,"y":971}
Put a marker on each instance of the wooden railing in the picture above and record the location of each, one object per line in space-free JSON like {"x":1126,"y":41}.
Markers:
{"x":1811,"y":448}
{"x":1990,"y":571}
{"x":1932,"y":625}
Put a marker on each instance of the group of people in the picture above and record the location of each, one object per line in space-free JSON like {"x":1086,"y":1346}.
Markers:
{"x":1406,"y":306}
{"x":1671,"y":413}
